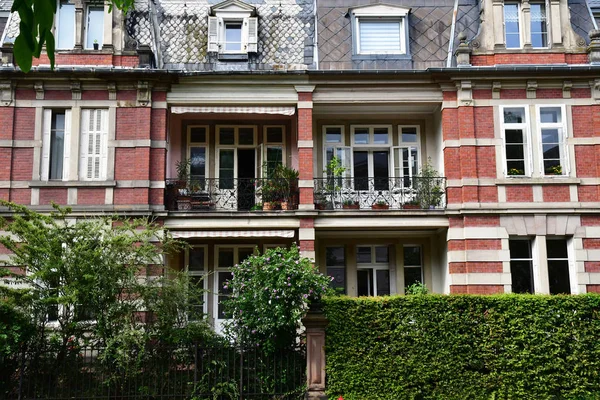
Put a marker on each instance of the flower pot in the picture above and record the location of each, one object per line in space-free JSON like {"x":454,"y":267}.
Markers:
{"x":380,"y":207}
{"x":96,"y":46}
{"x":411,"y":206}
{"x":286,"y":205}
{"x":351,"y":206}
{"x":267,"y":206}
{"x":184,"y":203}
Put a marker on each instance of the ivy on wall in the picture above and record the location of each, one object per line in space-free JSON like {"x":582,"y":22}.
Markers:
{"x":463,"y":347}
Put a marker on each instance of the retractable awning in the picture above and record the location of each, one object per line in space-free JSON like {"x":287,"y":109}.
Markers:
{"x":232,"y":234}
{"x":235,"y":110}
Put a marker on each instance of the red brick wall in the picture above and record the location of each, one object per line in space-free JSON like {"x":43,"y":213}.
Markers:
{"x":20,"y":196}
{"x":132,"y":163}
{"x":475,"y":267}
{"x":157,"y":197}
{"x":133,"y":123}
{"x":87,"y":59}
{"x":484,"y":122}
{"x":593,"y":288}
{"x":24,"y":123}
{"x":6,"y":122}
{"x":133,"y":196}
{"x":592,"y":266}
{"x":521,"y":58}
{"x":22,"y":164}
{"x":158,"y":159}
{"x":56,"y":195}
{"x":58,"y":95}
{"x":556,"y":193}
{"x":158,"y":130}
{"x":91,"y":196}
{"x":476,"y":289}
{"x":5,"y":163}
{"x":94,"y":95}
{"x":481,"y":220}
{"x":519,"y":193}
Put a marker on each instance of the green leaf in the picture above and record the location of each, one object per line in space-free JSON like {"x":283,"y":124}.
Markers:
{"x":50,"y":47}
{"x":23,"y":53}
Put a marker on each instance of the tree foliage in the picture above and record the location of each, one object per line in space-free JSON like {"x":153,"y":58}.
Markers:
{"x":35,"y":29}
{"x":272,"y":292}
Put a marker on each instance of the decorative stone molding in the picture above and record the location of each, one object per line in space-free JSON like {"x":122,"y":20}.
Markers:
{"x":7,"y":54}
{"x":567,"y":86}
{"x":463,"y":52}
{"x":595,"y":89}
{"x":112,"y":90}
{"x":39,"y":90}
{"x":496,"y":86}
{"x":465,"y":93}
{"x":593,"y":49}
{"x":145,"y":57}
{"x":531,"y":89}
{"x":76,"y":90}
{"x":143,"y":93}
{"x":7,"y":93}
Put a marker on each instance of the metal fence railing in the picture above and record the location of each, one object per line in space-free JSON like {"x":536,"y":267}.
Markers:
{"x":158,"y":372}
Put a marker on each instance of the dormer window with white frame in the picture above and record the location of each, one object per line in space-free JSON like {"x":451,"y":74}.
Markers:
{"x":232,"y":29}
{"x":516,"y":19}
{"x":380,"y":30}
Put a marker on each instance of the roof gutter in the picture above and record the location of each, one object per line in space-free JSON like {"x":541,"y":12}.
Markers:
{"x":451,"y":44}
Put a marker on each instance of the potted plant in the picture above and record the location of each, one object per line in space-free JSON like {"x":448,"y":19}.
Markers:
{"x":321,"y":201}
{"x":412,"y":204}
{"x":554,"y":170}
{"x":334,"y":171}
{"x":257,"y":207}
{"x":516,"y":172}
{"x":350,"y":205}
{"x":182,"y":167}
{"x":96,"y":44}
{"x":428,"y":187}
{"x":380,"y":205}
{"x":286,"y":180}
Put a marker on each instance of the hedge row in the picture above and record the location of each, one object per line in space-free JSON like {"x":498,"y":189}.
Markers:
{"x":463,"y":347}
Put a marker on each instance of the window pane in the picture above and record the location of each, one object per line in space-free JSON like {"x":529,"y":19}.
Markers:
{"x":224,"y":293}
{"x":274,"y":135}
{"x":95,"y":27}
{"x":226,"y":169}
{"x":519,"y":248}
{"x":409,"y":135}
{"x":412,"y":255}
{"x":361,"y":170}
{"x":379,"y":36}
{"x":226,"y":258}
{"x":244,"y":253}
{"x":196,"y":259}
{"x":226,"y":136}
{"x":539,"y":34}
{"x":363,"y":255}
{"x":66,"y":26}
{"x":516,"y":167}
{"x":57,"y":145}
{"x":557,"y":248}
{"x":361,"y":136}
{"x":383,"y":282}
{"x":550,"y":136}
{"x":339,"y":278}
{"x":515,"y":152}
{"x":198,"y":161}
{"x":233,"y":36}
{"x":514,"y":115}
{"x":333,"y":135}
{"x":381,"y":170}
{"x":198,"y":135}
{"x":246,"y":136}
{"x":274,"y":158}
{"x":381,"y":254}
{"x":521,"y":276}
{"x":380,"y":136}
{"x":511,"y":25}
{"x":335,"y":257}
{"x":558,"y":276}
{"x":364,"y":284}
{"x":551,"y":151}
{"x":412,"y":276}
{"x":550,"y":115}
{"x":514,"y":136}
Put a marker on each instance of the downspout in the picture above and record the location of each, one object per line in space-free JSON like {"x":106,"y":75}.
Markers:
{"x":452,"y":29}
{"x":155,"y":33}
{"x":587,"y":3}
{"x":316,"y":40}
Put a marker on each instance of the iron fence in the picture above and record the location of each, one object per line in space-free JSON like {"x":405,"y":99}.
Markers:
{"x":380,"y":193}
{"x":159,"y":372}
{"x":231,"y":194}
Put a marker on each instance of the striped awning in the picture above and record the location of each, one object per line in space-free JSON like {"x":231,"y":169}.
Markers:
{"x":235,"y":110}
{"x":232,"y":234}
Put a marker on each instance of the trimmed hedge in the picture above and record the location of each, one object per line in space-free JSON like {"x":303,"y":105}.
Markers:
{"x":463,"y":347}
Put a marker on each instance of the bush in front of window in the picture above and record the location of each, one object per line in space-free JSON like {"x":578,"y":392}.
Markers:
{"x":463,"y":347}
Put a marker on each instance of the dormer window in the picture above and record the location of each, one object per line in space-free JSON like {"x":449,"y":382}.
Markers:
{"x":380,"y":29}
{"x":516,"y":17}
{"x":232,"y":29}
{"x":65,"y":25}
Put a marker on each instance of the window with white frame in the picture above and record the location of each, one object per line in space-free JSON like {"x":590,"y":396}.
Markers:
{"x":373,"y":271}
{"x":233,"y":28}
{"x":521,"y":265}
{"x":380,"y":30}
{"x":274,"y":143}
{"x":513,"y":21}
{"x":226,"y":257}
{"x":407,"y":154}
{"x":196,"y":267}
{"x":94,"y":25}
{"x":559,"y":281}
{"x":65,"y":25}
{"x":535,"y":148}
{"x":333,"y":146}
{"x":197,"y":152}
{"x":93,"y":145}
{"x":236,"y":144}
{"x":413,"y":265}
{"x":56,"y":138}
{"x":371,"y":156}
{"x":335,"y":260}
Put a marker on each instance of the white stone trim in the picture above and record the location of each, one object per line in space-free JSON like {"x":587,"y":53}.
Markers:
{"x":305,"y":104}
{"x":304,"y":144}
{"x":306,"y":234}
{"x":477,"y":233}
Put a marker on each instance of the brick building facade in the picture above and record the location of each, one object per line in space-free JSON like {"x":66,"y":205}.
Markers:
{"x":484,"y":115}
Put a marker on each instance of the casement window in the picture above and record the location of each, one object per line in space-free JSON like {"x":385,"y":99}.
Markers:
{"x":233,"y":32}
{"x":65,"y":25}
{"x":333,"y":145}
{"x":197,"y":152}
{"x":196,"y":262}
{"x":371,"y":156}
{"x":528,"y":264}
{"x":93,"y":145}
{"x":373,"y":271}
{"x":226,"y":257}
{"x":380,"y":30}
{"x":236,"y":155}
{"x":274,"y":143}
{"x":514,"y":19}
{"x":407,"y":155}
{"x":535,"y":148}
{"x":94,"y":26}
{"x":56,"y":138}
{"x":413,"y":265}
{"x":335,"y":260}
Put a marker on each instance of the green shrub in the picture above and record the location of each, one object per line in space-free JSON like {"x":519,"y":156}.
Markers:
{"x":16,"y":330}
{"x":463,"y":347}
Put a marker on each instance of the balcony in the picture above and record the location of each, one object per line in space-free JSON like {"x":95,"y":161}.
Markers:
{"x":380,"y":193}
{"x":231,"y":194}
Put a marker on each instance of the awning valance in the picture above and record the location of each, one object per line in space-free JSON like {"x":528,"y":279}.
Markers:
{"x":235,"y":110}
{"x":233,"y":234}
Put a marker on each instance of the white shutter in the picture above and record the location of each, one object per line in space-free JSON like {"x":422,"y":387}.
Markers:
{"x":46,"y":123}
{"x":259,"y":161}
{"x":213,"y":35}
{"x":83,"y":144}
{"x":67,"y":144}
{"x":380,"y":35}
{"x":252,"y":35}
{"x":104,"y":146}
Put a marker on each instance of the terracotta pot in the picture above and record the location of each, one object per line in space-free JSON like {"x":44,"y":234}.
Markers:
{"x":285,"y":205}
{"x":184,"y":204}
{"x":350,"y":206}
{"x":411,"y":206}
{"x":380,"y":207}
{"x":268,"y":206}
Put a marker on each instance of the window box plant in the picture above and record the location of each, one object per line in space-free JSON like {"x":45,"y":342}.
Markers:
{"x":380,"y":205}
{"x":350,"y":205}
{"x":412,"y":205}
{"x":554,"y":170}
{"x":96,"y":45}
{"x":516,"y":172}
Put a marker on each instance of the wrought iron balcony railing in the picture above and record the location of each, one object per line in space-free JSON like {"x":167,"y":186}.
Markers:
{"x":231,"y":194}
{"x":380,"y":193}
